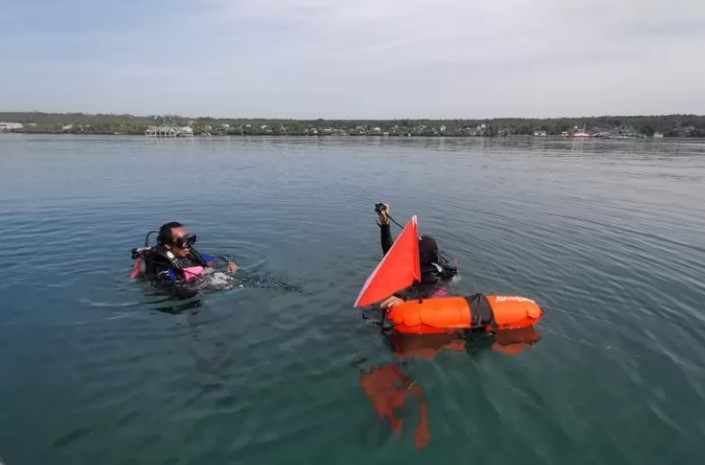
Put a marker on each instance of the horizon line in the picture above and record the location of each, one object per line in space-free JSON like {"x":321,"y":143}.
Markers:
{"x":357,"y":118}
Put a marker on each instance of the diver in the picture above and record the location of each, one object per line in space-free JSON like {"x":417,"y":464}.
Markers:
{"x":174,"y":259}
{"x":435,"y":269}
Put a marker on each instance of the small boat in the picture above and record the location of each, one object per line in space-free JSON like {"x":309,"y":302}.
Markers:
{"x":581,"y":134}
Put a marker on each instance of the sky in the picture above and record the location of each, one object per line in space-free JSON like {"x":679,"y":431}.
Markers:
{"x":353,"y":59}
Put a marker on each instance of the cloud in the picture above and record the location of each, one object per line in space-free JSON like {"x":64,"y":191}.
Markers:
{"x":311,"y":58}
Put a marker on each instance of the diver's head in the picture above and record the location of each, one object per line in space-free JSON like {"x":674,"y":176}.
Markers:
{"x":176,"y":238}
{"x":428,"y":251}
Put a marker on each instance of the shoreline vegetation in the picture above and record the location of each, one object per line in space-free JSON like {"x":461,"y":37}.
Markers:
{"x":615,"y":127}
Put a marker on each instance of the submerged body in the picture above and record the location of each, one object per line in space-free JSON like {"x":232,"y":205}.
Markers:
{"x":158,"y":264}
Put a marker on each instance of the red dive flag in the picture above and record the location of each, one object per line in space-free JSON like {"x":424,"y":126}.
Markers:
{"x":399,"y":268}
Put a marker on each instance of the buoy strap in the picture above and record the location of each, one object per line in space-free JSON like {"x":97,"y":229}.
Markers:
{"x":480,"y":311}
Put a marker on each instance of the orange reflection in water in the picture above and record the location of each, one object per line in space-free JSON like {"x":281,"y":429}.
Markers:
{"x":389,"y":388}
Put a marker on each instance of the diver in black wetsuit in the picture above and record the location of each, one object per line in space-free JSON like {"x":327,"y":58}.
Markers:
{"x":174,"y":259}
{"x":435,"y":270}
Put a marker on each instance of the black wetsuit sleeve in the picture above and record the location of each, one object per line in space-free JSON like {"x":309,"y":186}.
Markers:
{"x":385,"y":238}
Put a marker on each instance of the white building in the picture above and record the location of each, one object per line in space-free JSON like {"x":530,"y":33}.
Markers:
{"x":169,"y":131}
{"x":10,"y":126}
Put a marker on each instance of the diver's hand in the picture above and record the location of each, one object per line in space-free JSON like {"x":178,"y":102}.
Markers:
{"x":383,"y":215}
{"x":232,"y":266}
{"x":391,"y":302}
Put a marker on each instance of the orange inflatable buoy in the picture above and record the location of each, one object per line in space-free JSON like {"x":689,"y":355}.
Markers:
{"x":440,"y":315}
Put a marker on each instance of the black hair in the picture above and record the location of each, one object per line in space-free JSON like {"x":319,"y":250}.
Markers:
{"x":433,"y":265}
{"x":164,"y":236}
{"x":428,"y":251}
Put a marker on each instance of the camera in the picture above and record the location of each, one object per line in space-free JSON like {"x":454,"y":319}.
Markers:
{"x":379,"y":207}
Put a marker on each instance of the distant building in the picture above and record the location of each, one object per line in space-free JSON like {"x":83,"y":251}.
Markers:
{"x":10,"y":126}
{"x":658,"y":135}
{"x":169,"y":131}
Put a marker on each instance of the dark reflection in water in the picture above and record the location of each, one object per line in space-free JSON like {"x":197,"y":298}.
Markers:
{"x":392,"y":391}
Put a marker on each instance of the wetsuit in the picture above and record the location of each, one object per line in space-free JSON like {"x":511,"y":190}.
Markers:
{"x":433,"y":269}
{"x":160,"y":267}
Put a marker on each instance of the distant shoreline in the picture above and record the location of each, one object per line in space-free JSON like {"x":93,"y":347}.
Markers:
{"x":611,"y":127}
{"x":333,"y":137}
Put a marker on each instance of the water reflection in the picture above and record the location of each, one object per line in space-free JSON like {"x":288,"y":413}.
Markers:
{"x":394,"y":394}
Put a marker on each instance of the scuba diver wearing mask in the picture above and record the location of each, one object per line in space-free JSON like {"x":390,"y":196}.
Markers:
{"x":174,"y":259}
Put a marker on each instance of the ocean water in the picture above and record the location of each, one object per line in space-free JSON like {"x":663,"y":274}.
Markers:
{"x":276,"y":366}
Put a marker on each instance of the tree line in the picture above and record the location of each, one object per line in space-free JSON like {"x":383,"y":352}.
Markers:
{"x":80,"y":123}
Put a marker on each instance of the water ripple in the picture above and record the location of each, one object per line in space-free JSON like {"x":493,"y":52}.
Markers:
{"x":606,"y":235}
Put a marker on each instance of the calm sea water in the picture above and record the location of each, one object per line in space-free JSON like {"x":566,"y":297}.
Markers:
{"x":609,"y":237}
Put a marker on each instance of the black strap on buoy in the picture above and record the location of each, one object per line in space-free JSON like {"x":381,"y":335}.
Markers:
{"x":481,"y":311}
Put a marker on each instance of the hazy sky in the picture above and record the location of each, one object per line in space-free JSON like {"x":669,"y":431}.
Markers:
{"x":353,"y":58}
